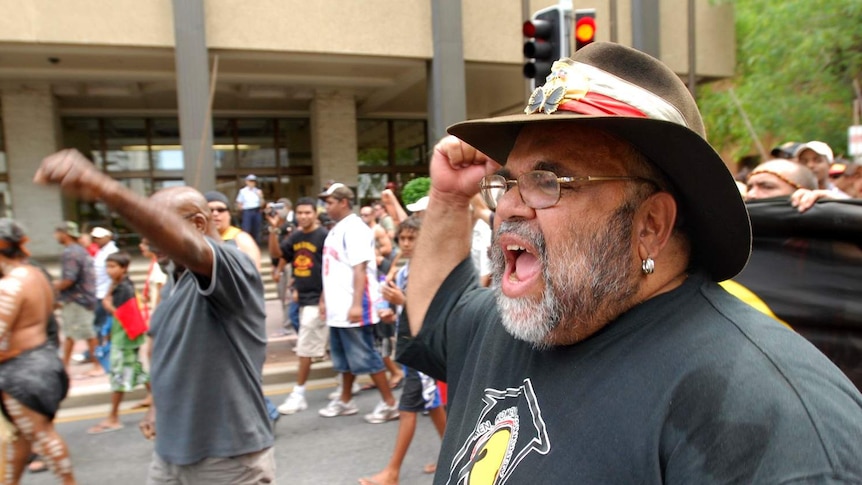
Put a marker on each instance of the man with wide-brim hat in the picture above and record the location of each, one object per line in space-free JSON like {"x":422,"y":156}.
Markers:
{"x":604,"y":351}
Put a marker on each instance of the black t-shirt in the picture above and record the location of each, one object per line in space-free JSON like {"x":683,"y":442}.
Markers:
{"x":692,"y":386}
{"x":304,"y":252}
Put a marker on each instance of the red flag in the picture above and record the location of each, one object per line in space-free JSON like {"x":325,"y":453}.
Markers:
{"x":128,"y":310}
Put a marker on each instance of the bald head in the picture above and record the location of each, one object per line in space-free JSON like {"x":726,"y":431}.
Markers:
{"x":779,"y":177}
{"x":187,"y":202}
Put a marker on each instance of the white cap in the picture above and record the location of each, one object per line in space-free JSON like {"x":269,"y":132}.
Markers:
{"x":99,"y":232}
{"x":419,"y":205}
{"x":817,"y":147}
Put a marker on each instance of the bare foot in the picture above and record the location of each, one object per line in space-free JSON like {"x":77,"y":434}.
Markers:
{"x":105,"y":426}
{"x":144,"y":403}
{"x":96,"y":371}
{"x":383,"y":478}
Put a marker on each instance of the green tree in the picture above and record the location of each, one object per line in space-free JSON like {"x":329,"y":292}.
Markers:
{"x":796,"y":61}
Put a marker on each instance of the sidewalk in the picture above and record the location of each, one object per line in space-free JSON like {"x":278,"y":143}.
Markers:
{"x":279,"y":370}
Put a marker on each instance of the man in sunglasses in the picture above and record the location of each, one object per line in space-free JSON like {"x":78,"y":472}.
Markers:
{"x":220,"y":208}
{"x":605,"y":352}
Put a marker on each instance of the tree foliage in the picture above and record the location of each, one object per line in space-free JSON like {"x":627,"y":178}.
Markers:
{"x":415,"y":189}
{"x":795,"y":65}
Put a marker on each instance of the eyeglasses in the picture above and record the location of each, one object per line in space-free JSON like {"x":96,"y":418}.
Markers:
{"x":539,"y":189}
{"x":219,"y":210}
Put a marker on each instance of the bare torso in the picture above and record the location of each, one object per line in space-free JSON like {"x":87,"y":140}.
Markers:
{"x":26,"y":302}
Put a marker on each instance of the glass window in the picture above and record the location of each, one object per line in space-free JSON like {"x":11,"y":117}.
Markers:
{"x":166,"y":149}
{"x":126,"y":144}
{"x":373,"y":142}
{"x":84,"y":134}
{"x":409,"y":140}
{"x":3,"y":168}
{"x":294,"y":143}
{"x":224,"y":143}
{"x":5,"y":200}
{"x":256,"y":143}
{"x":390,"y":151}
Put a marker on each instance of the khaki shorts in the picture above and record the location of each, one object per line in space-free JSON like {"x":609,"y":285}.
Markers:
{"x":248,"y":469}
{"x":313,"y":333}
{"x":77,"y":321}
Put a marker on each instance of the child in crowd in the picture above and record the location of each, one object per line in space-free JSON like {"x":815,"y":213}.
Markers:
{"x":420,"y":393}
{"x":127,"y":335}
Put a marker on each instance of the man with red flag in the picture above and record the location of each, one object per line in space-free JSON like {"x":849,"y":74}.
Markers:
{"x":127,"y":336}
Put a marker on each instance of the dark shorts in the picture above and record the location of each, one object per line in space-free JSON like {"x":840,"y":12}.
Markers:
{"x":36,"y":379}
{"x":420,"y":392}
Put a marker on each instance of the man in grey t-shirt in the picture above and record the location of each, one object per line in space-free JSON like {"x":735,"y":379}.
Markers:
{"x":209,"y":339}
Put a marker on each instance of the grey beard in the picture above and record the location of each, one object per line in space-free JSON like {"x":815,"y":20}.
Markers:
{"x":586,"y":283}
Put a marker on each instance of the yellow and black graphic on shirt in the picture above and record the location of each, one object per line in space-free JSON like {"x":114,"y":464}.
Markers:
{"x":509,"y":428}
{"x":303,"y":261}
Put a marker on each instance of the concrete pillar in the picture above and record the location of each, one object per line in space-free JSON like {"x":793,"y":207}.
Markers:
{"x":32,"y":131}
{"x":447,"y":96}
{"x":193,"y":87}
{"x":333,"y":138}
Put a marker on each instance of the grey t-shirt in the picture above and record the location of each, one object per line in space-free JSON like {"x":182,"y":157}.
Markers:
{"x":209,"y":344}
{"x":692,"y":386}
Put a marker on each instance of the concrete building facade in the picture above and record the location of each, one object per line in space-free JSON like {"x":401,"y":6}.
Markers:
{"x":305,"y":92}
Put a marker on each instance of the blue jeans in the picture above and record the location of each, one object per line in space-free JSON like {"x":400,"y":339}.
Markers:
{"x":352,"y":350}
{"x":294,"y":315}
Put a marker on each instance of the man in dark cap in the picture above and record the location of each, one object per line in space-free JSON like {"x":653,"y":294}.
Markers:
{"x":33,"y":380}
{"x":605,"y":352}
{"x":208,"y":334}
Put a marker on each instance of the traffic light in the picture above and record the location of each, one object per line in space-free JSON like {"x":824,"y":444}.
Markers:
{"x":585,"y":27}
{"x":546,"y":42}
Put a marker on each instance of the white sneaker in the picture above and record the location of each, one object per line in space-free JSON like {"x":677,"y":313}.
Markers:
{"x":382,"y":413}
{"x":294,"y":403}
{"x":338,"y":408}
{"x":337,"y":392}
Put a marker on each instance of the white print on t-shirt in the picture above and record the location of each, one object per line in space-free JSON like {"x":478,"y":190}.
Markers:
{"x":509,"y":428}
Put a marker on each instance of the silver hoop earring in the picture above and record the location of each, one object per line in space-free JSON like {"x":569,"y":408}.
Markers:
{"x":648,"y":266}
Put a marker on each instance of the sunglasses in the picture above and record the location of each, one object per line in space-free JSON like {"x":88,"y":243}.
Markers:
{"x":219,"y":210}
{"x":538,"y":189}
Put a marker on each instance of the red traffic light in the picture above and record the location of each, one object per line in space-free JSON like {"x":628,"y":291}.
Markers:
{"x":585,"y":27}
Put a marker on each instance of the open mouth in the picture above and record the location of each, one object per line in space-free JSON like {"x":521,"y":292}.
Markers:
{"x":523,"y":268}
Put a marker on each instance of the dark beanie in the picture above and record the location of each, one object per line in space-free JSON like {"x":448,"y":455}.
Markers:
{"x":216,"y":196}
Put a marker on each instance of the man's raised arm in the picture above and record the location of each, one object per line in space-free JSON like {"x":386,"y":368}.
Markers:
{"x":447,"y":227}
{"x":154,"y":218}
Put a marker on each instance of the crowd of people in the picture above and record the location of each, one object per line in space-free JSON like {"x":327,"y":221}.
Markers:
{"x":804,"y":172}
{"x":587,"y":339}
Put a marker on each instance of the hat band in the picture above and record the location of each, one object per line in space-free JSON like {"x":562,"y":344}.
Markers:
{"x":648,"y":103}
{"x":585,"y":89}
{"x":596,"y":104}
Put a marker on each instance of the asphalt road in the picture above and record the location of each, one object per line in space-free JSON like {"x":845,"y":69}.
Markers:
{"x":308,"y":449}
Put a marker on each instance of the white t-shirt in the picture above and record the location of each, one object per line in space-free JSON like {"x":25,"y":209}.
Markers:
{"x":249,"y":198}
{"x":103,"y":281}
{"x":349,"y":243}
{"x":479,"y":247}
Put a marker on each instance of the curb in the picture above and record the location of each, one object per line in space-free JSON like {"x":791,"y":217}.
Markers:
{"x":276,"y":378}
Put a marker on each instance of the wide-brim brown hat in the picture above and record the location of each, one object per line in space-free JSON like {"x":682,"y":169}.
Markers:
{"x":634,"y":96}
